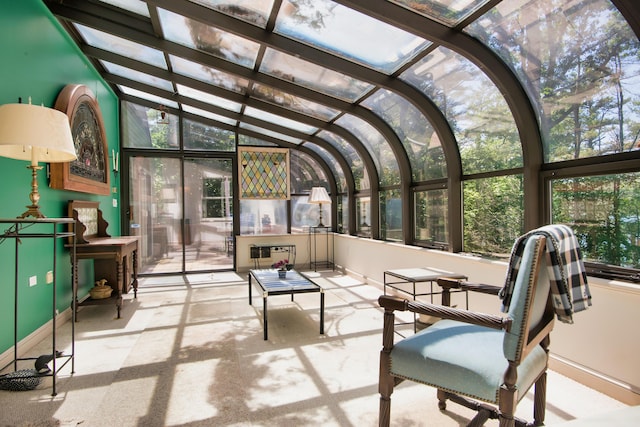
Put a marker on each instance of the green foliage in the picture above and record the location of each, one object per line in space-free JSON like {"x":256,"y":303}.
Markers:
{"x":604,"y":211}
{"x":493,"y":214}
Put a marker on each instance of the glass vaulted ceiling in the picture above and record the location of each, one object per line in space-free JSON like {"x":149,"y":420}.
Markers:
{"x":388,"y":93}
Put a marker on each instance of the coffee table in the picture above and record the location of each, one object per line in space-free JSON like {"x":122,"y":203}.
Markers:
{"x":294,"y":283}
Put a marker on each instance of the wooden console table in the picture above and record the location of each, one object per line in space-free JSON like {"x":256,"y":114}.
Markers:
{"x":115,"y":258}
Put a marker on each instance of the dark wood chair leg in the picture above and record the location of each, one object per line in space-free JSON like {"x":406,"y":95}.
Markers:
{"x":508,"y":402}
{"x":386,"y":381}
{"x":442,"y":399}
{"x":540,"y":400}
{"x":385,"y":412}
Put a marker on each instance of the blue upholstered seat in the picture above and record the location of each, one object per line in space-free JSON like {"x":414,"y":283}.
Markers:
{"x":462,"y":358}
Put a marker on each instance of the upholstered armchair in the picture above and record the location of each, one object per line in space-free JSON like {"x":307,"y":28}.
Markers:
{"x":489,"y":362}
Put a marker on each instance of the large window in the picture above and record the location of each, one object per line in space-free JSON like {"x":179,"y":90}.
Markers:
{"x":391,"y":218}
{"x":431,"y":218}
{"x":216,"y":198}
{"x":363,"y":216}
{"x":493,"y":214}
{"x":144,"y":127}
{"x":604,"y":211}
{"x":263,"y":216}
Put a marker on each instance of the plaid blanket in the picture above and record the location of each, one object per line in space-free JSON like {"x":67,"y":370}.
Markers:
{"x":569,"y":288}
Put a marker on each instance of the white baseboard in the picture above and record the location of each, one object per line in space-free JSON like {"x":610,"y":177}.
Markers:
{"x":616,"y":389}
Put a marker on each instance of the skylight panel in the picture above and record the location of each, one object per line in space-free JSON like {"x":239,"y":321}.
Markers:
{"x":208,"y":74}
{"x":414,"y":130}
{"x":270,"y":133}
{"x":292,"y":102}
{"x":449,"y":12}
{"x":137,"y":76}
{"x":205,"y":38}
{"x":255,"y":12}
{"x":120,"y":46}
{"x":208,"y":114}
{"x":279,"y":120}
{"x":149,"y":97}
{"x":477,"y":111}
{"x":338,"y":173}
{"x":349,"y":34}
{"x":312,"y":76}
{"x":136,"y":6}
{"x":209,"y":98}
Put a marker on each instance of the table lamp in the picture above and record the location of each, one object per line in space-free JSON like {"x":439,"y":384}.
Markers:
{"x":319,"y":196}
{"x":36,"y":134}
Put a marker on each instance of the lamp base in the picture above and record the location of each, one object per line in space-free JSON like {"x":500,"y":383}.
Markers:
{"x":34,"y":211}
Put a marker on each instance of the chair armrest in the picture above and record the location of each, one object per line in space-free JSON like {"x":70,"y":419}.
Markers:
{"x":391,"y":303}
{"x":448,"y":284}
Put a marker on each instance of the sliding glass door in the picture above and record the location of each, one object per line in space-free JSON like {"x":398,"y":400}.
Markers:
{"x":208,"y":214}
{"x":182,"y":210}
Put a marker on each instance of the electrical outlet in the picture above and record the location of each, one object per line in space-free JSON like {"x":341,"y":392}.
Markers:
{"x":33,"y":280}
{"x":115,"y":203}
{"x":49,"y":277}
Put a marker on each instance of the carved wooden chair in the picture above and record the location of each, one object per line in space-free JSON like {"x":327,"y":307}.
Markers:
{"x":484,"y":362}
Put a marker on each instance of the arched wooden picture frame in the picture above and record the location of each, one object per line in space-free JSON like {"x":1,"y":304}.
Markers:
{"x":90,"y":172}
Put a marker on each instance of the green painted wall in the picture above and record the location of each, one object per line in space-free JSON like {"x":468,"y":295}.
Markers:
{"x":37,"y":59}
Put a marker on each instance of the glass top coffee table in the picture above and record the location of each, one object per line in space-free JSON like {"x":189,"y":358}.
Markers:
{"x":294,"y":283}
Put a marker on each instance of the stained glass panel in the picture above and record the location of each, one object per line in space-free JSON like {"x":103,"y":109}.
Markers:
{"x":264,"y":173}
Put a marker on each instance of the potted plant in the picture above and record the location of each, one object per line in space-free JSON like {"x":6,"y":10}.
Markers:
{"x":282,"y":266}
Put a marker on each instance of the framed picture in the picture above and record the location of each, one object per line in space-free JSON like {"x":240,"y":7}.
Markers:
{"x":90,"y":172}
{"x":264,"y":173}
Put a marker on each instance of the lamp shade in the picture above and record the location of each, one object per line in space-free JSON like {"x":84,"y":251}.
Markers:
{"x":319,"y":195}
{"x":35,"y":133}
